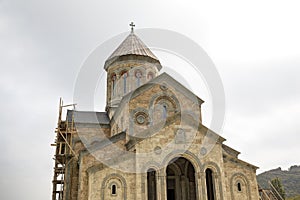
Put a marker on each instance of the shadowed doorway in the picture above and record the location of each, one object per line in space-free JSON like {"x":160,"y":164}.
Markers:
{"x":180,"y":180}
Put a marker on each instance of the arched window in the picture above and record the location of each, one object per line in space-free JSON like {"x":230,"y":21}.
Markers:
{"x":138,"y":76}
{"x":151,"y":184}
{"x":114,"y":189}
{"x":210,"y":185}
{"x":150,"y":76}
{"x":239,"y":187}
{"x":164,"y":112}
{"x":124,"y":76}
{"x":113,"y":83}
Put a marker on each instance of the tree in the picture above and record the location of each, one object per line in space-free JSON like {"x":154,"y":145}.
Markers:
{"x":276,"y":182}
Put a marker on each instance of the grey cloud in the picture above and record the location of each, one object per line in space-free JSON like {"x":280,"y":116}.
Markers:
{"x":259,"y":87}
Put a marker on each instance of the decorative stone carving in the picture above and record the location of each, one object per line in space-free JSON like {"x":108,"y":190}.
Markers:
{"x":163,"y":87}
{"x":141,"y":118}
{"x":203,"y":151}
{"x":157,"y":150}
{"x":180,"y":136}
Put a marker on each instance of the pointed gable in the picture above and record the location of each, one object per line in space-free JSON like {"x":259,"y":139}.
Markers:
{"x":162,"y":79}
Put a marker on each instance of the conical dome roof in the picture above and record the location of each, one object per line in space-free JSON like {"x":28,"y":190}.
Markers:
{"x":132,"y":45}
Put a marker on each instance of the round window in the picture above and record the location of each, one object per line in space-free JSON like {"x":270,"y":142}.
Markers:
{"x":141,"y":118}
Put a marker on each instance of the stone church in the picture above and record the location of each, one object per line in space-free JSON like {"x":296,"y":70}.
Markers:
{"x":149,"y":143}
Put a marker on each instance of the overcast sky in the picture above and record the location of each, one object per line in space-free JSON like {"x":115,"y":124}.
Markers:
{"x":255,"y":46}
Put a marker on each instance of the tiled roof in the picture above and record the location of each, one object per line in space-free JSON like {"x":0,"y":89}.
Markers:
{"x":88,"y":117}
{"x":132,"y":45}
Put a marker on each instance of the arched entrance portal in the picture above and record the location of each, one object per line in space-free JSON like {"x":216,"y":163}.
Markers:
{"x":180,"y":180}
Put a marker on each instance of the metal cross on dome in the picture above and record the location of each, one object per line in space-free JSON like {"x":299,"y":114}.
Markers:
{"x":132,"y":26}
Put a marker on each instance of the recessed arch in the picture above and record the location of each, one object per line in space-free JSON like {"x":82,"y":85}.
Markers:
{"x":173,"y":167}
{"x":124,"y":74}
{"x":144,"y":179}
{"x":195,"y":161}
{"x":239,"y":178}
{"x":150,"y":164}
{"x":138,"y":74}
{"x":152,"y":184}
{"x":150,"y":76}
{"x":180,"y":184}
{"x":112,"y":82}
{"x":111,"y":180}
{"x":166,"y":99}
{"x":213,"y":166}
{"x":217,"y":178}
{"x":210,"y":184}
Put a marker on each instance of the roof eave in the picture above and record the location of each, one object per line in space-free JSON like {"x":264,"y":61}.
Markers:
{"x":112,"y":60}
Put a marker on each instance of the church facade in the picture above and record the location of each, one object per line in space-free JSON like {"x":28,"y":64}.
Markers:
{"x":149,"y":143}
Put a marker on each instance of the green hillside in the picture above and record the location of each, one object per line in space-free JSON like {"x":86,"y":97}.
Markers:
{"x":294,"y":198}
{"x":290,"y":179}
